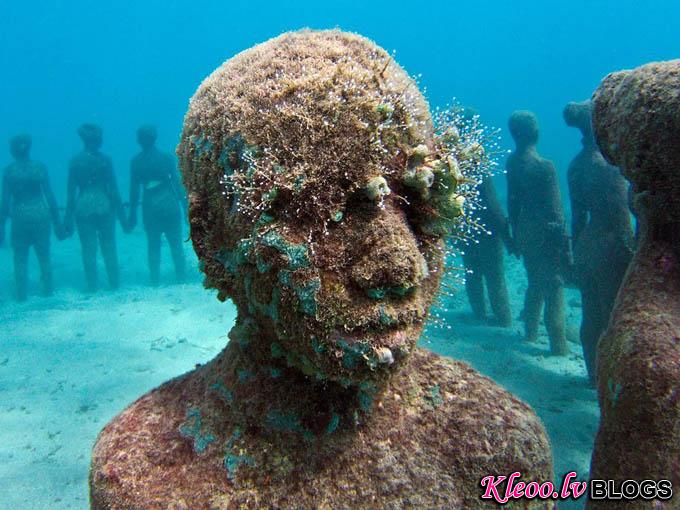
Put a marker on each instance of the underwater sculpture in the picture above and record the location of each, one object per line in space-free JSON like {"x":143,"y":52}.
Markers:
{"x":636,"y":119}
{"x":28,"y":200}
{"x":485,"y":259}
{"x":602,"y":235}
{"x":319,"y":196}
{"x":155,"y":172}
{"x":539,"y":236}
{"x":93,"y":204}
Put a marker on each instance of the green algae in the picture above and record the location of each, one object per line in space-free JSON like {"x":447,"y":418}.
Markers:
{"x":385,"y":318}
{"x":287,"y":422}
{"x":223,"y":392}
{"x":317,"y":346}
{"x":245,"y":375}
{"x":192,"y":428}
{"x":202,"y":145}
{"x":357,"y":353}
{"x":233,"y":461}
{"x":305,"y":292}
{"x":435,"y":396}
{"x":295,"y":253}
{"x":333,"y":424}
{"x":233,"y":259}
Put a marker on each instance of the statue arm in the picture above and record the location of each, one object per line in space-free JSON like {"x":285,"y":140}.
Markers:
{"x":499,"y":223}
{"x":177,"y":187}
{"x":557,"y":213}
{"x":135,"y":183}
{"x":51,"y":201}
{"x":72,"y":186}
{"x":579,"y":211}
{"x":513,"y":200}
{"x":557,"y":226}
{"x":114,"y":195}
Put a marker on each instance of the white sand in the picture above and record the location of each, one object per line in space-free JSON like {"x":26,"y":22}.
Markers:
{"x":69,"y":363}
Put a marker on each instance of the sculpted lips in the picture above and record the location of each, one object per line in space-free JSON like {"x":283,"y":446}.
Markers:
{"x":378,"y":347}
{"x":389,"y":338}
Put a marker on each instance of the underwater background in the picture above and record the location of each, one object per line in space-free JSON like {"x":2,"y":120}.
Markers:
{"x":70,"y":362}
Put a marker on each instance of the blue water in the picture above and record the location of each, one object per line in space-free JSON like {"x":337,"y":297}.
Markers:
{"x":127,"y":62}
{"x":124,"y":63}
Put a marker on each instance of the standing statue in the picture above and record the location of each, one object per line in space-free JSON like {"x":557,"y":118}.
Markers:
{"x":602,"y":235}
{"x":28,"y":200}
{"x":94,"y":203}
{"x":155,"y":172}
{"x":636,"y":119}
{"x":318,"y":197}
{"x":539,"y":235}
{"x":483,"y":257}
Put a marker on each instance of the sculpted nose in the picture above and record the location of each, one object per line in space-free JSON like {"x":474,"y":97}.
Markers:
{"x":390,"y":263}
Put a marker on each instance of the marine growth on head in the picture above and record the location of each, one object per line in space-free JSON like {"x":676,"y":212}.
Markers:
{"x":321,"y":191}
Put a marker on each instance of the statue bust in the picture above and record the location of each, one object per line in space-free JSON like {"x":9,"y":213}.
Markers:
{"x":319,"y":197}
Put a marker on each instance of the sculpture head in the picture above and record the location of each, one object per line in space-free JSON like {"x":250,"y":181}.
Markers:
{"x":146,"y":136}
{"x":578,"y":115}
{"x":20,"y":146}
{"x":319,"y":198}
{"x":523,"y":127}
{"x":636,"y":119}
{"x":91,"y":135}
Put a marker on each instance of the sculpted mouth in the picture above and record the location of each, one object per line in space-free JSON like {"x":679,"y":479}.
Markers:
{"x":387,"y":338}
{"x":377,"y":347}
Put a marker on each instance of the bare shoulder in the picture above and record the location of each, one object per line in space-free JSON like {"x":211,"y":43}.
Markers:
{"x":480,"y":416}
{"x":438,"y":429}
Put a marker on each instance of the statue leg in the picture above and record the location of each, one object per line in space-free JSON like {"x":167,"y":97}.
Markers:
{"x":20,"y":247}
{"x":474,"y":286}
{"x":498,"y":290}
{"x":107,"y":241}
{"x":42,"y":251}
{"x":554,"y":317}
{"x":153,"y":240}
{"x":174,"y":236}
{"x":88,"y":246}
{"x":533,"y":302}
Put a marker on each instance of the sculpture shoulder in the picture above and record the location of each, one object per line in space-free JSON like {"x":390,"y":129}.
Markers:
{"x":155,"y":161}
{"x":530,"y":163}
{"x":458,"y":386}
{"x":439,"y":428}
{"x":469,"y":424}
{"x":580,"y":172}
{"x":9,"y":171}
{"x":30,"y":170}
{"x":136,"y":160}
{"x":105,"y":159}
{"x":38,"y":170}
{"x":545,"y":165}
{"x":80,"y":161}
{"x":513,"y":162}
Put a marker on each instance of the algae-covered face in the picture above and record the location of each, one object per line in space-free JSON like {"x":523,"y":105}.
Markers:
{"x":347,"y":300}
{"x":319,"y":199}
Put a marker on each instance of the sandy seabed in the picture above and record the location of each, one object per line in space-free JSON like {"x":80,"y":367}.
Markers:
{"x":71,"y":362}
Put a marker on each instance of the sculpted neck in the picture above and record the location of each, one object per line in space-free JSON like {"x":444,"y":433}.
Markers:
{"x":588,"y":140}
{"x":526,"y":149}
{"x":253,"y":376}
{"x":659,"y":228}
